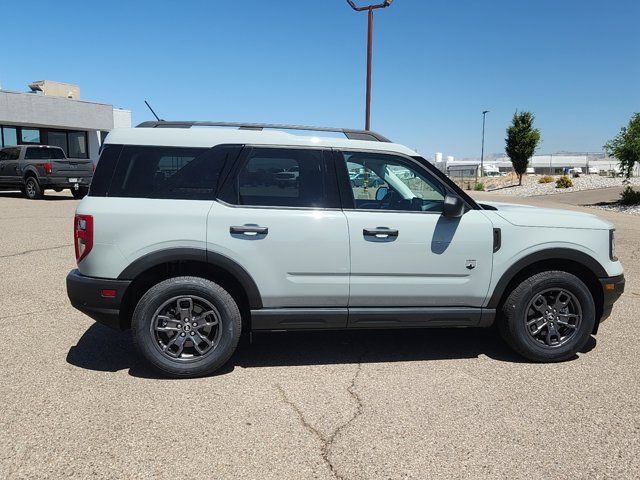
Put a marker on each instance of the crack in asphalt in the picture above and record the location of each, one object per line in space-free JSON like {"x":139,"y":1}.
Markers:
{"x":35,"y":250}
{"x":327,"y":442}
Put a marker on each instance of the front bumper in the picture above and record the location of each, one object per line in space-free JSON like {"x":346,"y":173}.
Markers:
{"x":612,"y":288}
{"x":86,"y":294}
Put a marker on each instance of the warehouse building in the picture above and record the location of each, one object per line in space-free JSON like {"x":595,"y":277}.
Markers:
{"x":52,"y":113}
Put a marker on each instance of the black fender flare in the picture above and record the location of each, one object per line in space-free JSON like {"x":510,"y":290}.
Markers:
{"x":550,"y":254}
{"x":28,"y":170}
{"x":213,"y":259}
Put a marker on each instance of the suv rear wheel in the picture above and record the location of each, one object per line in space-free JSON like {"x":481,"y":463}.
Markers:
{"x":548,"y":317}
{"x":186,"y":326}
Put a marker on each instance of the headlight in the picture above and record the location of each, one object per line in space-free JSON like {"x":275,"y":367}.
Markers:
{"x":612,"y":246}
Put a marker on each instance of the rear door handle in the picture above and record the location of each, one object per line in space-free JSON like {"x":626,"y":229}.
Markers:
{"x":249,"y":230}
{"x":380,"y":232}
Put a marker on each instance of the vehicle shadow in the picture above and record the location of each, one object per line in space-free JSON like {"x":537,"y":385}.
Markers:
{"x":103,"y":349}
{"x":18,"y":194}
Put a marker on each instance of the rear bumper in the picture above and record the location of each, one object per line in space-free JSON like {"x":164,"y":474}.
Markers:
{"x":85,"y":294}
{"x":63,"y":182}
{"x":612,"y":288}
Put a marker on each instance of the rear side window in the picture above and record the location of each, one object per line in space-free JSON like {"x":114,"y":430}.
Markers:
{"x":168,"y":172}
{"x":43,"y":153}
{"x":104,"y":170}
{"x":283,"y":177}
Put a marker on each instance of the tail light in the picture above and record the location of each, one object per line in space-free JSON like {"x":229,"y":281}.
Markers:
{"x":82,"y":235}
{"x":48,"y":168}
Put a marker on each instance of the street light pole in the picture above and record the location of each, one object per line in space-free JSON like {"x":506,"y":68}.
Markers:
{"x":484,"y":115}
{"x":369,"y":9}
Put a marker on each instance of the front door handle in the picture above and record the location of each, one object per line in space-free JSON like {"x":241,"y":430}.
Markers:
{"x":249,"y":230}
{"x":380,"y":232}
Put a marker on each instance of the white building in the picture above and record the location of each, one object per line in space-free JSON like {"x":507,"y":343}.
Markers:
{"x":53,"y":114}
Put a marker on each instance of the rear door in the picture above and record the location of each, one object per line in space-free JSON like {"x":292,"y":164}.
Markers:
{"x":289,"y":234}
{"x":404,"y":252}
{"x":9,"y":161}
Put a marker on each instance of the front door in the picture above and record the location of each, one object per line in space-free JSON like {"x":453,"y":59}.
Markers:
{"x":279,"y":217}
{"x":404,"y":252}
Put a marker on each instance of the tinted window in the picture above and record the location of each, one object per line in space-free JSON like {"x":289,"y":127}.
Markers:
{"x":168,"y":172}
{"x":58,"y":139}
{"x":77,"y":144}
{"x":282,"y":177}
{"x":43,"y":153}
{"x":104,"y":170}
{"x":389,"y":182}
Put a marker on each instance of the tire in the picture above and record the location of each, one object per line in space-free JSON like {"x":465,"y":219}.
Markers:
{"x":534,"y":300}
{"x":32,"y":189}
{"x":80,"y":193}
{"x":156,"y":346}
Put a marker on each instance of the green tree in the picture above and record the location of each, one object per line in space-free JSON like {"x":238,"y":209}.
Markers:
{"x":521,"y":142}
{"x":626,"y":145}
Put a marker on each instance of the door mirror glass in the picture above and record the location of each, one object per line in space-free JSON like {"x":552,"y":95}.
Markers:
{"x":453,"y":206}
{"x":381,"y":193}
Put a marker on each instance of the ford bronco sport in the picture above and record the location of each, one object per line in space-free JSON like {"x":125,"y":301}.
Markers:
{"x":188,"y":236}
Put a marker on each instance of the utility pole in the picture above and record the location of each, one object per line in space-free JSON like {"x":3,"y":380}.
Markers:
{"x":484,"y":115}
{"x":369,"y":9}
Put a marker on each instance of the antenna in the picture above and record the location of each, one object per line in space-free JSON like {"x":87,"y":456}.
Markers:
{"x":154,"y":113}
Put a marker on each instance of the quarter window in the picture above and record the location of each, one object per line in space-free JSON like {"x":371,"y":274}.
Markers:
{"x":283,"y":177}
{"x":168,"y":172}
{"x":389,"y":182}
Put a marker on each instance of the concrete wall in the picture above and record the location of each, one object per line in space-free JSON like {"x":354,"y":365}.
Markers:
{"x":44,"y":111}
{"x":121,"y":118}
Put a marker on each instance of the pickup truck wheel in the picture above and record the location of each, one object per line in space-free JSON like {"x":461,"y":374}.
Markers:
{"x":32,"y":188}
{"x":548,"y":317}
{"x":186,"y":326}
{"x":79,"y":193}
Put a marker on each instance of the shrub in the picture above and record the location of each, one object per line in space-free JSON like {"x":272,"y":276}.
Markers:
{"x":479,"y":187}
{"x":545,"y":179}
{"x":564,"y":182}
{"x":629,"y":196}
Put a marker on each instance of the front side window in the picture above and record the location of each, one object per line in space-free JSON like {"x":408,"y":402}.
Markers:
{"x":283,"y":177}
{"x":389,"y":182}
{"x":30,"y":135}
{"x":167,"y":172}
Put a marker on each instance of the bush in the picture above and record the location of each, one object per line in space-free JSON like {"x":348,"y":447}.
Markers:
{"x":479,"y":187}
{"x":564,"y":182}
{"x":545,"y":179}
{"x":629,"y":196}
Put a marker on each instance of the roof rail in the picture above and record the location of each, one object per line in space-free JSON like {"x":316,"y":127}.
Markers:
{"x":347,"y":132}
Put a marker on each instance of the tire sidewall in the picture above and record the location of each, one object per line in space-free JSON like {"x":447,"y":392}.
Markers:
{"x":36,"y":187}
{"x":518,"y":327}
{"x":159,"y":294}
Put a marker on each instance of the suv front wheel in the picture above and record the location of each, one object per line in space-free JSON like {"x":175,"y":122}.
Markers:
{"x":548,"y":317}
{"x":186,"y":326}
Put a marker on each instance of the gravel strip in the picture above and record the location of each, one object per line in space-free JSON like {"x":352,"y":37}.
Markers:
{"x":531,"y":187}
{"x":616,"y":207}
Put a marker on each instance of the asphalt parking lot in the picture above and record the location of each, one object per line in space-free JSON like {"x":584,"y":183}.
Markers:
{"x":77,"y":403}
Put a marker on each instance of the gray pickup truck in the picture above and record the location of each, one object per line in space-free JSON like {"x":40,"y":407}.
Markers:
{"x":35,"y":168}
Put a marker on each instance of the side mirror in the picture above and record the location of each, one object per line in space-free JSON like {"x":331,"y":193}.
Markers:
{"x":453,"y":206}
{"x":381,"y":193}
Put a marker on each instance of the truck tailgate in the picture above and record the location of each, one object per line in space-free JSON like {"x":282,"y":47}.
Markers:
{"x":73,"y":167}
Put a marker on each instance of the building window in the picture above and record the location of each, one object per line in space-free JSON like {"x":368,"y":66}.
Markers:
{"x":58,"y":139}
{"x":77,"y":145}
{"x":9,"y":137}
{"x":30,"y":135}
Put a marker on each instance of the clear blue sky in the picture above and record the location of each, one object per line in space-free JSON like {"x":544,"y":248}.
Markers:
{"x":437,"y":64}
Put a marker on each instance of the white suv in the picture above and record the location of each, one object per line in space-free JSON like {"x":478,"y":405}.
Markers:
{"x":189,"y":237}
